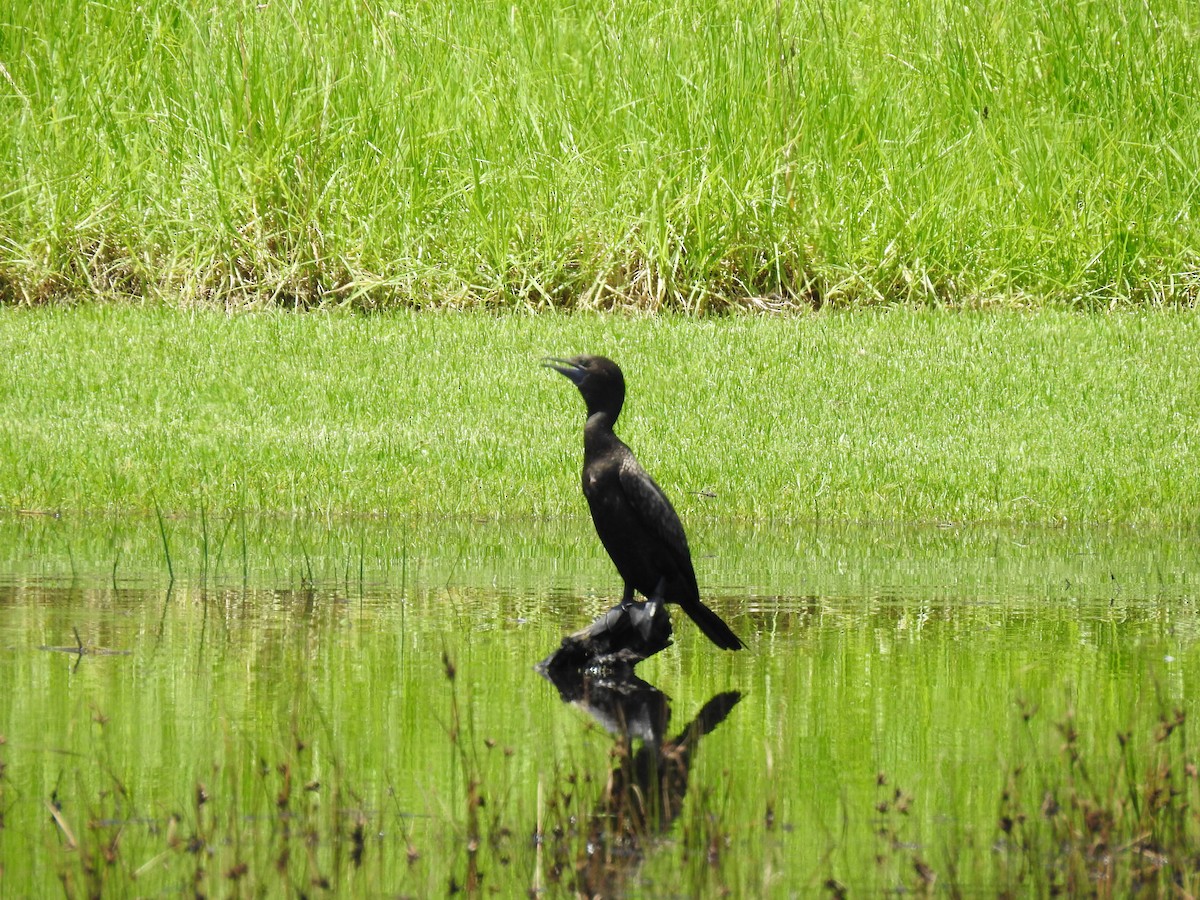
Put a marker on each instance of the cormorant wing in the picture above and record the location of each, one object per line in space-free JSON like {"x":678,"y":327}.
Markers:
{"x":655,"y":511}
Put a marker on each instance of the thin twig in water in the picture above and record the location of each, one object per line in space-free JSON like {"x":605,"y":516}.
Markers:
{"x":62,"y":824}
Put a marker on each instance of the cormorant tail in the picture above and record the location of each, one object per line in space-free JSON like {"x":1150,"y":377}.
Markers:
{"x":713,"y":626}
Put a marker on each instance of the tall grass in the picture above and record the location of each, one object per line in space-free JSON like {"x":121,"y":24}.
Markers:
{"x":687,"y":155}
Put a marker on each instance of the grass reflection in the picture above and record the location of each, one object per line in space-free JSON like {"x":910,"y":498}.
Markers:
{"x":917,"y":711}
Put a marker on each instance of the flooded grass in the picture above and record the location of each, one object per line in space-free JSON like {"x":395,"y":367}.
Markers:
{"x":1113,"y":823}
{"x":1122,"y":824}
{"x":920,"y":711}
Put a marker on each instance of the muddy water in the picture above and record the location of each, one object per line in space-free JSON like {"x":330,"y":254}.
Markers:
{"x":284,"y":704}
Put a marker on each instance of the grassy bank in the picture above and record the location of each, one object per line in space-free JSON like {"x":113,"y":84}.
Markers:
{"x":687,"y":155}
{"x":1045,"y":417}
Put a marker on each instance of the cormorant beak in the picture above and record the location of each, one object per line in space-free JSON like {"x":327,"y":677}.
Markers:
{"x":565,"y":367}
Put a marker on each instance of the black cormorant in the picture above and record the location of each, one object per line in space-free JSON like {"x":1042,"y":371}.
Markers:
{"x":636,"y":522}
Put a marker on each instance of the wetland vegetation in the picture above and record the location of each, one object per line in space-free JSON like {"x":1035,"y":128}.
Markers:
{"x":273,"y":587}
{"x":986,"y":709}
{"x":272,"y":584}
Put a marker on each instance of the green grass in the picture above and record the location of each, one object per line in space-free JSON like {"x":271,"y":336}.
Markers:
{"x":687,"y":155}
{"x":902,"y":416}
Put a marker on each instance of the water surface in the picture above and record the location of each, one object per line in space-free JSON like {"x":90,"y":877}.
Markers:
{"x":269,"y":703}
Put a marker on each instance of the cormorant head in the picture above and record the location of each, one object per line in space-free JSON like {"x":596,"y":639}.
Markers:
{"x":598,"y":378}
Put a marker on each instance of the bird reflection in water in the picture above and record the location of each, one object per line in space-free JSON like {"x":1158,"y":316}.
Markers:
{"x":644,"y":789}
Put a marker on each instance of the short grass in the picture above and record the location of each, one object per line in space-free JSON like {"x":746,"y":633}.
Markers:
{"x":689,"y":154}
{"x":905,"y":416}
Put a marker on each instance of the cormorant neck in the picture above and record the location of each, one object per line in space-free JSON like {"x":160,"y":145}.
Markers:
{"x":601,"y":420}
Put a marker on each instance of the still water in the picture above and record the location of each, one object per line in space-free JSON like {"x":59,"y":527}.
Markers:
{"x":248,"y":706}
